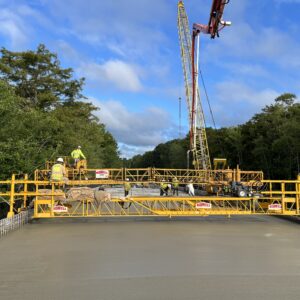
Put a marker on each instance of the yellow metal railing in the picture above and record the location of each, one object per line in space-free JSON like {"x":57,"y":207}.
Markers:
{"x":146,"y":175}
{"x":274,"y":197}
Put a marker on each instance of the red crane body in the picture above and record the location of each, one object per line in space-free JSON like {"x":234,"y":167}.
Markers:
{"x":215,"y":24}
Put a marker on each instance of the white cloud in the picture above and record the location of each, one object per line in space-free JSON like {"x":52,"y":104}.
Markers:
{"x":67,"y":51}
{"x":13,"y":27}
{"x":237,"y":102}
{"x":138,"y":131}
{"x":129,"y":151}
{"x":125,"y":27}
{"x":231,"y":91}
{"x":115,"y":48}
{"x":120,"y":74}
{"x":248,"y":40}
{"x":19,"y":22}
{"x":246,"y":69}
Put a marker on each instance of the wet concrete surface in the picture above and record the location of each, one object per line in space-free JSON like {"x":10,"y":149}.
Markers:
{"x":206,"y":258}
{"x":154,"y":190}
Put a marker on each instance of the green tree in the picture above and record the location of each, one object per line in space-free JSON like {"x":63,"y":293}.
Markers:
{"x":41,"y":117}
{"x":38,"y":77}
{"x":269,"y":141}
{"x":286,"y":99}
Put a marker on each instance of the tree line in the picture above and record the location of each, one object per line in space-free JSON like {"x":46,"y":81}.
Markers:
{"x":269,"y":141}
{"x":44,"y":114}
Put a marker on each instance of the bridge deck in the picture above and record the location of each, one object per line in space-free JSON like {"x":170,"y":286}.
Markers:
{"x":250,"y":257}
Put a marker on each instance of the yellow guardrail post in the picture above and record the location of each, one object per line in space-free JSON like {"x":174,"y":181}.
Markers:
{"x":283,"y":196}
{"x":52,"y":198}
{"x":298,"y":195}
{"x":36,"y":209}
{"x":12,"y":197}
{"x":25,"y":190}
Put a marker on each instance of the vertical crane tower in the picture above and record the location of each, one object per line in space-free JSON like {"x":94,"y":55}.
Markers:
{"x":190,"y":57}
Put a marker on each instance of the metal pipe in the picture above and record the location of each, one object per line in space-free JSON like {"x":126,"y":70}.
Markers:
{"x":188,"y":159}
{"x":11,"y":213}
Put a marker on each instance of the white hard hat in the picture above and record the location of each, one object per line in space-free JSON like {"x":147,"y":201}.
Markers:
{"x":79,"y":147}
{"x":60,"y":159}
{"x":127,"y":179}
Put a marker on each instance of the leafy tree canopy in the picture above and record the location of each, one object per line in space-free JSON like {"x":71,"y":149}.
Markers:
{"x":269,"y":141}
{"x":42,"y":116}
{"x":38,"y":77}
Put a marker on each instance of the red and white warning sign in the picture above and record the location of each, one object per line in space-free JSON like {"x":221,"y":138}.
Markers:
{"x":203,"y":205}
{"x":102,"y":174}
{"x":275,"y":206}
{"x":60,"y":209}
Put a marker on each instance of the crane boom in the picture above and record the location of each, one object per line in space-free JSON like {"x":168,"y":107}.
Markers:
{"x":198,"y":139}
{"x":215,"y":22}
{"x":189,"y":46}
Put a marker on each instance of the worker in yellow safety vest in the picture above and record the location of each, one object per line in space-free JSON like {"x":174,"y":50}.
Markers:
{"x":77,"y":154}
{"x":175,"y":186}
{"x":164,"y":188}
{"x":58,"y":172}
{"x":127,"y":187}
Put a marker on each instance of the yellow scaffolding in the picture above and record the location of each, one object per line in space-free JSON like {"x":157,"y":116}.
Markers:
{"x":154,"y":175}
{"x":276,"y":198}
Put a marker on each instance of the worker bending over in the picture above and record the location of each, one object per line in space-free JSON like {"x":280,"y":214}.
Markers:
{"x":58,"y":172}
{"x":164,"y":187}
{"x":77,"y":154}
{"x":127,"y":187}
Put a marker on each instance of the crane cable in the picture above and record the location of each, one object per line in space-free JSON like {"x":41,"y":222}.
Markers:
{"x":207,"y":98}
{"x":210,"y":110}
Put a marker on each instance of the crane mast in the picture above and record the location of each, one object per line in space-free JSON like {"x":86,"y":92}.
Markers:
{"x":198,"y":139}
{"x":189,"y":46}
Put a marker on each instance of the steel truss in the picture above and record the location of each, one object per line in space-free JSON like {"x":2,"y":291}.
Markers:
{"x":276,"y":198}
{"x":198,"y":139}
{"x":154,"y":175}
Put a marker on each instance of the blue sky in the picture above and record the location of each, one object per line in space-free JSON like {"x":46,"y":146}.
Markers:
{"x":128,"y":50}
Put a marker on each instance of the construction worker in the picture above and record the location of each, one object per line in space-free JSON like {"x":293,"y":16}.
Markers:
{"x":164,"y":188}
{"x":175,"y":186}
{"x":190,"y":189}
{"x":58,"y":172}
{"x":77,"y":154}
{"x":127,"y":187}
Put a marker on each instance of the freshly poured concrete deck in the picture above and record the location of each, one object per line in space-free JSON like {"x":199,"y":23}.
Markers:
{"x":206,"y":258}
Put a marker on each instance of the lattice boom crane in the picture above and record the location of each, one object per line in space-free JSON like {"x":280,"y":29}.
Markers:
{"x":188,"y":42}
